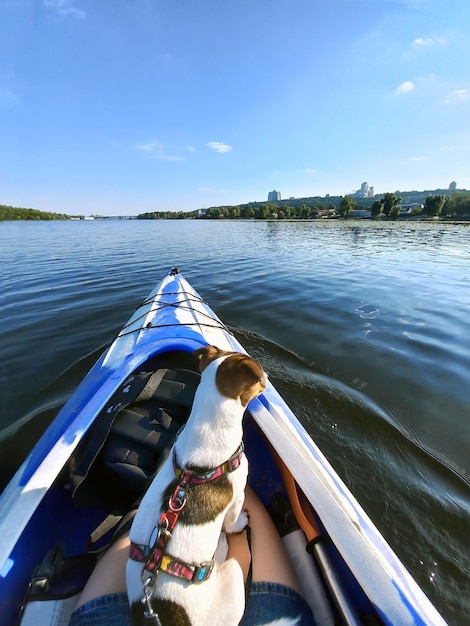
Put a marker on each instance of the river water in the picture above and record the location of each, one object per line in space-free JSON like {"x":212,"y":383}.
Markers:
{"x":363,"y":327}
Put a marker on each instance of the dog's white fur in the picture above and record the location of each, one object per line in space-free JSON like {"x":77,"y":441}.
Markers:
{"x":212,"y":434}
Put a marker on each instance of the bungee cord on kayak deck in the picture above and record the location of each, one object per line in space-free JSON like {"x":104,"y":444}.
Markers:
{"x":189,"y":297}
{"x":162,"y":305}
{"x":150,"y":327}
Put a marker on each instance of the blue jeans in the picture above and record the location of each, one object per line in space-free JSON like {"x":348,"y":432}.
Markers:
{"x":267,"y":602}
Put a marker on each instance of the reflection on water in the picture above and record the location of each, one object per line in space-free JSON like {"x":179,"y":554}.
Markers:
{"x":362,"y":327}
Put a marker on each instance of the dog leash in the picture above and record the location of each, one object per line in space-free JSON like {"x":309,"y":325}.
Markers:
{"x":154,"y":554}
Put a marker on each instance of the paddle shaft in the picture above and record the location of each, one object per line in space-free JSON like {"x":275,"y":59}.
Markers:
{"x":316,"y":546}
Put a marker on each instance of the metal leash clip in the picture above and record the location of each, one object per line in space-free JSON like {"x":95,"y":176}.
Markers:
{"x":150,"y":617}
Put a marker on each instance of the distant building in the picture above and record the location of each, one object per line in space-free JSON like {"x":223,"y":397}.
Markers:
{"x":274,"y":196}
{"x":453,"y":186}
{"x":365,"y":191}
{"x":326,"y":213}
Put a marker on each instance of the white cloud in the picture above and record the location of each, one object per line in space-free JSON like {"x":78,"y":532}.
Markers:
{"x":64,"y":7}
{"x":459,"y":95}
{"x":417,"y":159}
{"x":190,"y":149}
{"x":156,"y":149}
{"x":422,"y":43}
{"x":310,"y":170}
{"x":405,"y":87}
{"x":428,"y":42}
{"x":151,"y":146}
{"x":218,"y":146}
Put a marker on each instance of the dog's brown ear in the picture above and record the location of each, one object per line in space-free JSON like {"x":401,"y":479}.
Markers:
{"x":206,"y":355}
{"x":240,"y":376}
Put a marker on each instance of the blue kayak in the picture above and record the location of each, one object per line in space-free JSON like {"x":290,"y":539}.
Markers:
{"x":108,"y":441}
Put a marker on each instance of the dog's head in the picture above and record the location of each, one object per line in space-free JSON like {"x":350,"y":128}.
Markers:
{"x":238,"y":375}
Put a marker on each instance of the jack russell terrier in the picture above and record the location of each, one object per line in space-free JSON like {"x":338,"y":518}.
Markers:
{"x":178,"y":535}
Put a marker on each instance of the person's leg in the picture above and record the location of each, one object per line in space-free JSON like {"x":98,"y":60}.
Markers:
{"x":109,"y":574}
{"x":275,"y":592}
{"x":270,"y":559}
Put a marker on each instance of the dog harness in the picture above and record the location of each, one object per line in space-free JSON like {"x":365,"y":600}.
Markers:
{"x":154,"y":555}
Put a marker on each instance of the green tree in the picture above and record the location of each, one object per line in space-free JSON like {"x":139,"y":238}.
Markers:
{"x":376,"y":208}
{"x":346,"y":206}
{"x":447,"y":208}
{"x":433,"y":205}
{"x":261,"y":213}
{"x":271,"y":208}
{"x":460,"y":203}
{"x":389,"y":201}
{"x":247,"y":211}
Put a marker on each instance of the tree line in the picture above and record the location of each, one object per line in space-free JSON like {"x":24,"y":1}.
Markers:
{"x":268,"y":210}
{"x":388,"y":206}
{"x":8,"y":213}
{"x":456,"y":205}
{"x":165,"y":215}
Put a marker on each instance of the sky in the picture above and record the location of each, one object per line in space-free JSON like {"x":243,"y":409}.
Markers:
{"x":119,"y":107}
